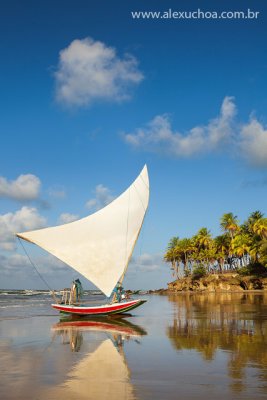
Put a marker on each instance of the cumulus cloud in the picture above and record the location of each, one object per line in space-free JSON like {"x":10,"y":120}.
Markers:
{"x":66,"y":218}
{"x":25,"y":187}
{"x":246,"y":140}
{"x":27,"y":218}
{"x":49,"y":264}
{"x":253,"y":143}
{"x":17,"y":266}
{"x":89,"y":71}
{"x":102,"y":198}
{"x":152,"y":270}
{"x":158,"y":135}
{"x":13,"y":264}
{"x":146,"y":262}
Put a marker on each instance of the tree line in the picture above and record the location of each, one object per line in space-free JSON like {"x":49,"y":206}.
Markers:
{"x":240,"y":247}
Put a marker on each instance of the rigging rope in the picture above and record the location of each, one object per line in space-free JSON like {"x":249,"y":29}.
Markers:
{"x":40,"y":276}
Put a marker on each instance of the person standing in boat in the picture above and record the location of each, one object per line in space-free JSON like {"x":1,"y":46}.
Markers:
{"x":118,"y":293}
{"x":77,"y":291}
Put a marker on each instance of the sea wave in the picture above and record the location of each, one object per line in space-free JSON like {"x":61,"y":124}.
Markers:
{"x":21,"y":305}
{"x":24,"y":292}
{"x":36,"y":292}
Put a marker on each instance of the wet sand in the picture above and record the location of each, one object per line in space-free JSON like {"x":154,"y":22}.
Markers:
{"x":186,"y":346}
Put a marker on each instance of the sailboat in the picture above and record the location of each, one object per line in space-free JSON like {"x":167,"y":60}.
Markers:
{"x":99,"y":247}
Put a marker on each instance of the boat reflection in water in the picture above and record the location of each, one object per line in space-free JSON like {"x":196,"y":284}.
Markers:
{"x":71,"y":330}
{"x":102,"y":373}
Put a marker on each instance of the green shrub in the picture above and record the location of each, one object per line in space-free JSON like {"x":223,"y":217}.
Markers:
{"x":199,"y":271}
{"x":253,"y":269}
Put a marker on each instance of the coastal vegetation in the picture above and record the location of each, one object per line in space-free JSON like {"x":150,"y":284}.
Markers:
{"x":241,"y":248}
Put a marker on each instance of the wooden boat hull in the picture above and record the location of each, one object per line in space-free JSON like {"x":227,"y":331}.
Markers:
{"x":105,"y":309}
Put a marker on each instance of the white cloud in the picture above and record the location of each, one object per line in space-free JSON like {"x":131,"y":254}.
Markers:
{"x":25,"y":187}
{"x":65,"y":218}
{"x":253,"y":143}
{"x":27,"y":218}
{"x":13,"y":264}
{"x":49,"y":264}
{"x":146,"y":263}
{"x":158,"y":135}
{"x":102,"y":198}
{"x":245,"y":140}
{"x":19,"y":265}
{"x":89,"y":71}
{"x":147,"y":271}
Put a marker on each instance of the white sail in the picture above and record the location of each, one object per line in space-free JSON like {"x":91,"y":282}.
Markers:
{"x":99,"y":246}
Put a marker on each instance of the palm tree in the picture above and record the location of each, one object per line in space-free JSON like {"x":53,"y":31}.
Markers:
{"x":174,"y":255}
{"x":246,"y":242}
{"x":171,"y":254}
{"x":204,"y":247}
{"x":248,"y":224}
{"x":173,"y":242}
{"x":254,"y":216}
{"x":186,"y":248}
{"x":241,"y":246}
{"x":222,"y":245}
{"x":260,"y":227}
{"x":254,"y":227}
{"x":203,"y":239}
{"x":229,"y":223}
{"x":263,"y":253}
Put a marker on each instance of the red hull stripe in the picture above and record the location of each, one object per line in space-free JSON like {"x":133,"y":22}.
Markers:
{"x":106,"y":309}
{"x":96,"y":325}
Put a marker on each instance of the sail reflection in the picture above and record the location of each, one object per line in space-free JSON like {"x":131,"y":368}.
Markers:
{"x":102,"y":373}
{"x":235,"y":324}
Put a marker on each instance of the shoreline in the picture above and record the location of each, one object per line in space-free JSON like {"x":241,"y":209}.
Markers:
{"x":220,"y":283}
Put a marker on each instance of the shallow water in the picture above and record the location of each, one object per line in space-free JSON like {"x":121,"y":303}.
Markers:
{"x":186,"y":346}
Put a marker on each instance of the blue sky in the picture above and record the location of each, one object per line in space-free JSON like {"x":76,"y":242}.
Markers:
{"x":89,"y":95}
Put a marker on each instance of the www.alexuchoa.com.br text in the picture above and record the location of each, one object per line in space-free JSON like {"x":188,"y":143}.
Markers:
{"x":196,"y":14}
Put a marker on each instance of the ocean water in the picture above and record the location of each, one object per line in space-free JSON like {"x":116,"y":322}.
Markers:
{"x":28,"y":303}
{"x":185,"y":346}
